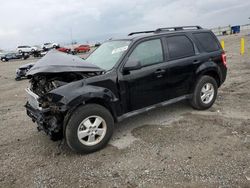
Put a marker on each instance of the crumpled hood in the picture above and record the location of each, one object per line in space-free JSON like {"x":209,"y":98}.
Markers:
{"x":56,"y":62}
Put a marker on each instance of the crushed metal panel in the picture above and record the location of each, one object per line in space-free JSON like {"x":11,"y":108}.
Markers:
{"x":56,"y":62}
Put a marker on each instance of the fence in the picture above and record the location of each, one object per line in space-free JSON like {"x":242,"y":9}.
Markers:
{"x":227,"y":30}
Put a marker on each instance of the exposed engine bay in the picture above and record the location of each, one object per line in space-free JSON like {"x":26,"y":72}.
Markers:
{"x":41,"y":84}
{"x":51,"y":119}
{"x":50,"y":73}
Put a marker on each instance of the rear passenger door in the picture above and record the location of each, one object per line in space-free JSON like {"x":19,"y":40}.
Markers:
{"x":181,"y":65}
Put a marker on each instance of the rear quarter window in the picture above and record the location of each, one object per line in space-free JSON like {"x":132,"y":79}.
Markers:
{"x":207,"y":41}
{"x":179,"y":46}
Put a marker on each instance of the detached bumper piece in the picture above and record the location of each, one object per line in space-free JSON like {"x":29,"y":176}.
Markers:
{"x":46,"y":122}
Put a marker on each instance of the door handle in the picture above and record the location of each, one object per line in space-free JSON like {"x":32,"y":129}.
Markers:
{"x":160,"y":71}
{"x":196,"y":61}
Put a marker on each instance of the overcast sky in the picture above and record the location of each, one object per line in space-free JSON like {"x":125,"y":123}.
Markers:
{"x":33,"y":22}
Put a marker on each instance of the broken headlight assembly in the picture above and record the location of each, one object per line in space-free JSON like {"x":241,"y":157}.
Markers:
{"x":50,"y":100}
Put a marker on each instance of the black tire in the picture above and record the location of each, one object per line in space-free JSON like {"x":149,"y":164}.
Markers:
{"x":80,"y":114}
{"x":3,"y":59}
{"x":196,"y":101}
{"x":18,"y":78}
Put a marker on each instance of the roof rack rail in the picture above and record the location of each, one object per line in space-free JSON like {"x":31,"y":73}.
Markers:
{"x":139,"y":32}
{"x":167,"y":29}
{"x":177,"y":28}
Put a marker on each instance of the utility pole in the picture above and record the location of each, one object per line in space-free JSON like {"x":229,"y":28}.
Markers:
{"x":71,"y":36}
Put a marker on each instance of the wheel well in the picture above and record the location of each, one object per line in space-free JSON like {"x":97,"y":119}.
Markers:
{"x":102,"y":103}
{"x":214,"y":75}
{"x":91,"y":101}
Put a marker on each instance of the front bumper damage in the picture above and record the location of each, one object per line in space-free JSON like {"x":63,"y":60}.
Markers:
{"x":46,"y":119}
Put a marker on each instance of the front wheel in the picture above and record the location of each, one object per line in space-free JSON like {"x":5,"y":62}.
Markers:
{"x":89,"y":128}
{"x":205,"y":93}
{"x":18,"y":78}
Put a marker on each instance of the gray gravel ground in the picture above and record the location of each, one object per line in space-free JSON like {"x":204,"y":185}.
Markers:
{"x":174,"y":146}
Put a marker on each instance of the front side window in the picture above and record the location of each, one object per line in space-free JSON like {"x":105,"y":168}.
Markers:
{"x":148,"y":52}
{"x":107,"y":55}
{"x":180,"y":47}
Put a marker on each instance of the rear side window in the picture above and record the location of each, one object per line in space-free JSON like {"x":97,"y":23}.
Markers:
{"x":180,"y":47}
{"x":207,"y":41}
{"x":149,"y":52}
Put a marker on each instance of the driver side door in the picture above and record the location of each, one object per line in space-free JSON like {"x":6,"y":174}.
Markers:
{"x":145,"y":86}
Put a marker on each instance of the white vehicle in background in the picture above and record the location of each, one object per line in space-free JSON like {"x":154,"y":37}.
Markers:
{"x":48,"y":46}
{"x":37,"y":48}
{"x":26,"y":49}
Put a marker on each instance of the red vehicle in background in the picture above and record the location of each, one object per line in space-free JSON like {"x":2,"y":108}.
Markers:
{"x":63,"y":49}
{"x":82,"y":48}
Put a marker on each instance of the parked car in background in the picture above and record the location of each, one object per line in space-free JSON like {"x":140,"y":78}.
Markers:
{"x":37,"y":48}
{"x":22,"y":70}
{"x":97,"y":44}
{"x":28,"y":49}
{"x":48,"y":46}
{"x":14,"y":55}
{"x":64,"y":49}
{"x":82,"y":48}
{"x":39,"y":53}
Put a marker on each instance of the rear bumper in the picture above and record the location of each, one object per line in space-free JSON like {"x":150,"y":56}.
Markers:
{"x":223,"y":75}
{"x":20,"y":73}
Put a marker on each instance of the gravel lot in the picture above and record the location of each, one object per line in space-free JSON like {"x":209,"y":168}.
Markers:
{"x":174,"y":146}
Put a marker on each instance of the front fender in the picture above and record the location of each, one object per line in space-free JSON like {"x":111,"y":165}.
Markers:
{"x":76,"y":93}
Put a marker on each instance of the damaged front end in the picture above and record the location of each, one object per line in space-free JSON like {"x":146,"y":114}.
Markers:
{"x":56,"y":81}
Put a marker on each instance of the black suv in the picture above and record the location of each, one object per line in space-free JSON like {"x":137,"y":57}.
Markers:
{"x":80,"y":100}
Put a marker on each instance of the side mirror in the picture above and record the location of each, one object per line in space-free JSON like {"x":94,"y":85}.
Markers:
{"x":132,"y":65}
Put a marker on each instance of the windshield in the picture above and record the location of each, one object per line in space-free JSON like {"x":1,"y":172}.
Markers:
{"x":107,"y":55}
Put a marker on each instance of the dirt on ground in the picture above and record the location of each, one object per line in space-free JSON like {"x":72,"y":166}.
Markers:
{"x":174,"y":146}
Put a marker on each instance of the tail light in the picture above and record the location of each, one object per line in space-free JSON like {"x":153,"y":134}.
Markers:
{"x":224,"y":59}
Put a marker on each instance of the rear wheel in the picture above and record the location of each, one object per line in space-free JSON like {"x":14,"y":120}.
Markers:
{"x":205,"y":93}
{"x":89,"y":128}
